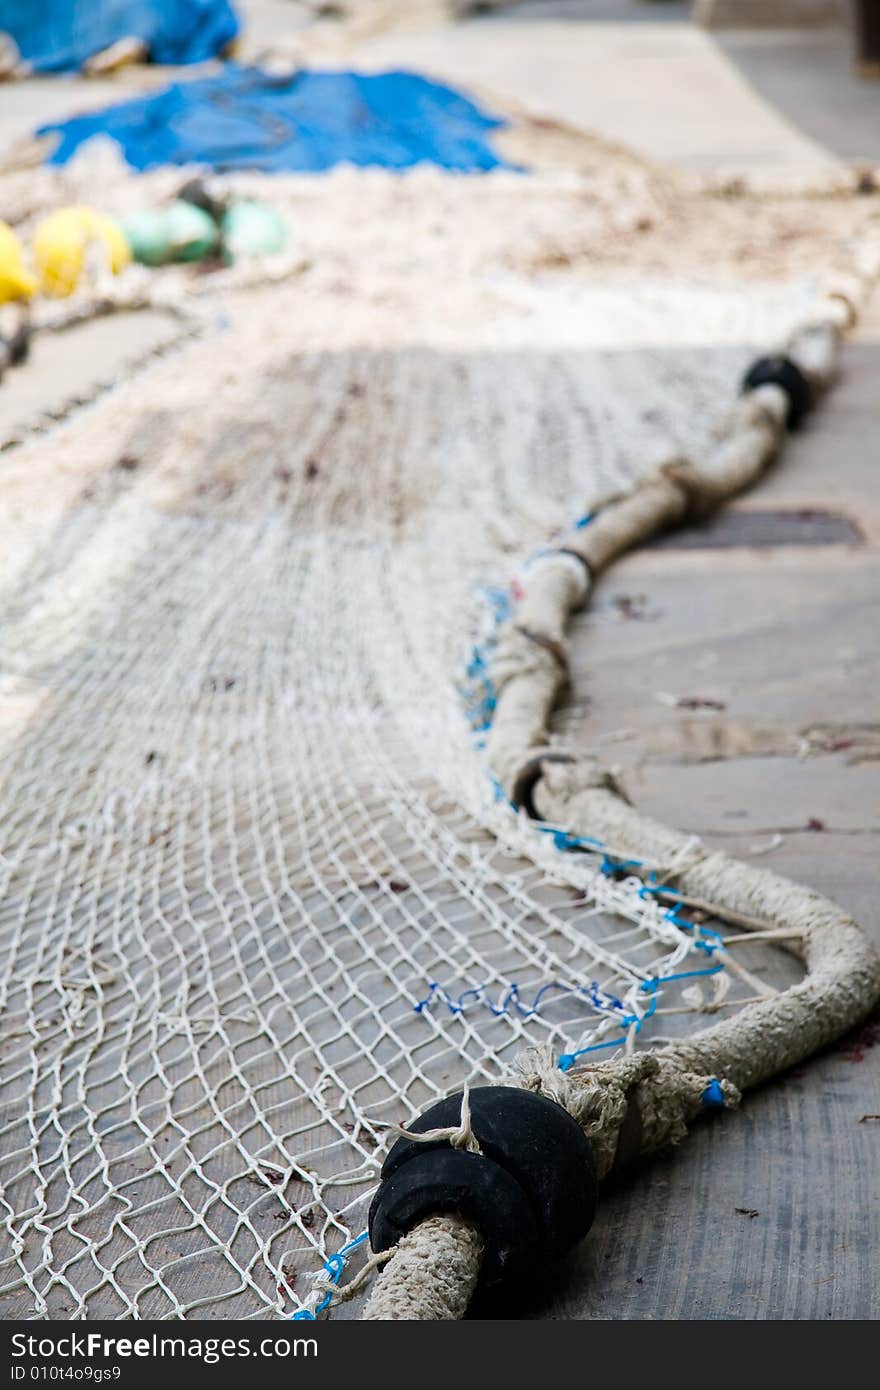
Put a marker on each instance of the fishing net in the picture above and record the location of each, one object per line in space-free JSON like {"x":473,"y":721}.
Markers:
{"x":263,"y":897}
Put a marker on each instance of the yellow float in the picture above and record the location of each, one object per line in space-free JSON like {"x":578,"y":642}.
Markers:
{"x":75,"y":241}
{"x":16,"y":281}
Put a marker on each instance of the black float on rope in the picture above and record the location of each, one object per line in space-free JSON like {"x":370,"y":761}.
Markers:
{"x":195,"y":192}
{"x":781,"y":371}
{"x":531,"y":1190}
{"x":528,"y":777}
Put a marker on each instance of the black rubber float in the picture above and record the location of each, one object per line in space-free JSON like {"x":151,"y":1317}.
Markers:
{"x":444,"y":1181}
{"x":781,"y":371}
{"x":528,"y":775}
{"x":531,"y":1190}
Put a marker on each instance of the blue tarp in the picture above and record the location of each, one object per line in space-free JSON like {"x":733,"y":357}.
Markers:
{"x":247,"y":119}
{"x":60,"y":35}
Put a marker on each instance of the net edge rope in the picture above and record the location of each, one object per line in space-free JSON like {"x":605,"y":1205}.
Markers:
{"x":434,"y":1270}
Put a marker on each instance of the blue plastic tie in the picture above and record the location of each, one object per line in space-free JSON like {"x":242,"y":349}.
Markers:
{"x":562,"y":840}
{"x":611,"y":866}
{"x":714,"y":943}
{"x":713,"y":1096}
{"x":334,"y":1266}
{"x":567,"y":1060}
{"x":654,"y":984}
{"x":683,"y":923}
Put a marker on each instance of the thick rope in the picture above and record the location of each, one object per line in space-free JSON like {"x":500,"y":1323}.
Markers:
{"x":436,"y":1270}
{"x":638,"y":1104}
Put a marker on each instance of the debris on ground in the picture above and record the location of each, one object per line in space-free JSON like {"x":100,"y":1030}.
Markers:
{"x":689,"y":701}
{"x":633,"y":606}
{"x":857,"y":1046}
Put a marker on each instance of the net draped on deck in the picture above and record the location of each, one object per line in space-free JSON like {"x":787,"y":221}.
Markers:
{"x":260,"y":898}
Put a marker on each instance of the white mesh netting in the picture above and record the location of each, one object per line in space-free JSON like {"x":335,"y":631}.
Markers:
{"x":248,"y":828}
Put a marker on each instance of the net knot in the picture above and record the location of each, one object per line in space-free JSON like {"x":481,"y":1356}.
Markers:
{"x":460,"y":1136}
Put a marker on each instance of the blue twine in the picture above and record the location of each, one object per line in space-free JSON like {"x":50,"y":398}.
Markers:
{"x":710,"y":946}
{"x":683,"y":923}
{"x":562,"y":840}
{"x":511,"y":1000}
{"x":567,"y":1060}
{"x":582,"y":521}
{"x":499,"y":793}
{"x":479,"y":696}
{"x":611,"y":866}
{"x":480,"y":704}
{"x":334,"y":1267}
{"x":708,"y":940}
{"x":648,"y":889}
{"x":654,"y":984}
{"x":498,"y":600}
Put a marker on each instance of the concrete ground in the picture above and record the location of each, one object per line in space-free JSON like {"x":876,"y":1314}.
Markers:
{"x":806,"y":76}
{"x":665,"y":89}
{"x":641,"y":73}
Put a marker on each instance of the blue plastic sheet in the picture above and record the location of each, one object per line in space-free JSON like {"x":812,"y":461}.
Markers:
{"x":247,"y":119}
{"x":60,"y":35}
